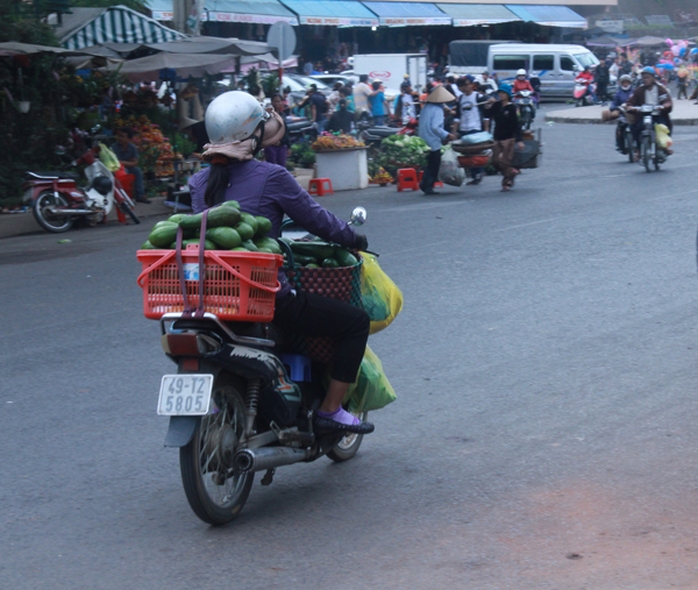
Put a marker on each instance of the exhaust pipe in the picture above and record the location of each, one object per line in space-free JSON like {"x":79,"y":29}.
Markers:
{"x":251,"y":460}
{"x":62,"y":212}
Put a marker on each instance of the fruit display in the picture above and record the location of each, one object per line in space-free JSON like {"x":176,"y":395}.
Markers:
{"x":381,"y":177}
{"x":330,"y":143}
{"x":404,"y":151}
{"x":155,"y":150}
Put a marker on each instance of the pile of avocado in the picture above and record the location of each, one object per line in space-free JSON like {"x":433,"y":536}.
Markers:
{"x":228,"y":228}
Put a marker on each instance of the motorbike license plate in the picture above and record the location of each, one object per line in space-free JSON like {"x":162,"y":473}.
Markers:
{"x":185,"y":395}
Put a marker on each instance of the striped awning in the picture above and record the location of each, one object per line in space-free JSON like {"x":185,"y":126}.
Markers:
{"x":118,"y":24}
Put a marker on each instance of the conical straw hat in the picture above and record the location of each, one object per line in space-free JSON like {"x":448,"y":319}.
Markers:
{"x":440,"y":95}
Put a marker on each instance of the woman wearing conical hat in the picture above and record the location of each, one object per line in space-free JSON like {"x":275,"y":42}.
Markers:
{"x":431,"y":130}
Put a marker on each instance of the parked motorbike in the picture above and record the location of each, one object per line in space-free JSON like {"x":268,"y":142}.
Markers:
{"x":235,"y":410}
{"x":303,"y":130}
{"x":651,"y":155}
{"x":525,"y":105}
{"x":582,"y":96}
{"x":374,"y":134}
{"x":57,"y":201}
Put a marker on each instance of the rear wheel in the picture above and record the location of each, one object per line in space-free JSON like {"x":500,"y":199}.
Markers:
{"x":347,"y":447}
{"x":646,"y":152}
{"x":50,"y":222}
{"x":215,"y":491}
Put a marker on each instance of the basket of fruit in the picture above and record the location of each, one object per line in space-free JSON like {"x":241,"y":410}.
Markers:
{"x":323,"y":269}
{"x":236,"y":278}
{"x":381,"y":178}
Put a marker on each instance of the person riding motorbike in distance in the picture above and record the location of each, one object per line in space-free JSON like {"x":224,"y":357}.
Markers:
{"x":652,"y":93}
{"x":523,"y":83}
{"x":238,"y":128}
{"x":586,"y":77}
{"x":625,"y":91}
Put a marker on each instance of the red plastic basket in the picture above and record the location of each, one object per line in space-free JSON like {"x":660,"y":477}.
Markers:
{"x":238,"y":286}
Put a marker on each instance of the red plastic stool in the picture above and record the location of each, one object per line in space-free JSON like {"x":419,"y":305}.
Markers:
{"x":320,"y":187}
{"x":437,"y":184}
{"x":407,"y":178}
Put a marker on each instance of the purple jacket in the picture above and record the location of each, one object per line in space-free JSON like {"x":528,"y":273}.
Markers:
{"x":271,"y":191}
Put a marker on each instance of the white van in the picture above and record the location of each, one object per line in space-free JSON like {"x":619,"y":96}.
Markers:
{"x":555,"y":65}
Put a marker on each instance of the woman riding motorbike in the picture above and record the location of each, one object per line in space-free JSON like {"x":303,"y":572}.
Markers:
{"x":625,"y":91}
{"x":239,"y":127}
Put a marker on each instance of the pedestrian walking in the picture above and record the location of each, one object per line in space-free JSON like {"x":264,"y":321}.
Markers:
{"x":507,"y":134}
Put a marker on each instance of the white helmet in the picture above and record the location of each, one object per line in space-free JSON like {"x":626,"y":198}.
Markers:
{"x":233,"y":116}
{"x":521,"y":72}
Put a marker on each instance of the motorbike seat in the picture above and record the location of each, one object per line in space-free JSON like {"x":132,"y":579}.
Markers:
{"x":382,"y":131}
{"x":53,"y":174}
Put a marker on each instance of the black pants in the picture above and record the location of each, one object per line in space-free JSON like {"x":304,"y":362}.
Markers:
{"x":313,"y":315}
{"x":431,"y":174}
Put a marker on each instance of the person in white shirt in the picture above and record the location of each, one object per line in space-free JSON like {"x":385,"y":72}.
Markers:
{"x":487,"y":84}
{"x":404,"y":107}
{"x":468,"y":117}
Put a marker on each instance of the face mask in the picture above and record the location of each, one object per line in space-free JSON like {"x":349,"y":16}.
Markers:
{"x":625,"y":87}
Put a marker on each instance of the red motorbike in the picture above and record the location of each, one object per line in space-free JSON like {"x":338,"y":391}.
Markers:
{"x":57,"y":201}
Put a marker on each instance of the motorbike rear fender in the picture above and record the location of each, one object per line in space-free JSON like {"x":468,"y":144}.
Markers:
{"x":181,"y":430}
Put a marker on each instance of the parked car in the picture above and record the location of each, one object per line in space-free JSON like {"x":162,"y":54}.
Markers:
{"x":331,"y":79}
{"x":298,"y":83}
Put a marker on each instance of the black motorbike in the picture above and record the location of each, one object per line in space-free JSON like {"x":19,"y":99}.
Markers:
{"x":624,"y":136}
{"x":238,"y":404}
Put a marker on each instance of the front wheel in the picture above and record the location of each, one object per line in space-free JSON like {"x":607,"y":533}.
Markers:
{"x":346,"y":448}
{"x":50,"y":222}
{"x":629,"y":146}
{"x":215,"y":491}
{"x":526,"y":119}
{"x":130,"y":212}
{"x":646,"y":152}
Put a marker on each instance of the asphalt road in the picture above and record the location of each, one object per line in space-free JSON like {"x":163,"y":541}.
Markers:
{"x":544,"y":435}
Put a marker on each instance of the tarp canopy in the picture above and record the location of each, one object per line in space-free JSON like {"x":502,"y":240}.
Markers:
{"x":90,"y":26}
{"x":340,"y":13}
{"x":401,"y":14}
{"x":201,"y":44}
{"x":469,"y":15}
{"x":16,"y":48}
{"x":549,"y":16}
{"x":647,"y":42}
{"x":185,"y":64}
{"x":603,"y":42}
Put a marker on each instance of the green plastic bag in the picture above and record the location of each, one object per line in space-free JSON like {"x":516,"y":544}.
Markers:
{"x":371,"y":390}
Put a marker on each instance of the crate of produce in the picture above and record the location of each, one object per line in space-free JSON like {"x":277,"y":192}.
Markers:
{"x":479,"y":160}
{"x":236,"y":286}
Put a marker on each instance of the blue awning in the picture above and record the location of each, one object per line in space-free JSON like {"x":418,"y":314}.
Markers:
{"x":248,"y":11}
{"x":231,"y":11}
{"x":340,"y":13}
{"x":470,"y":15}
{"x":117,"y":24}
{"x":549,"y":16}
{"x":401,"y":14}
